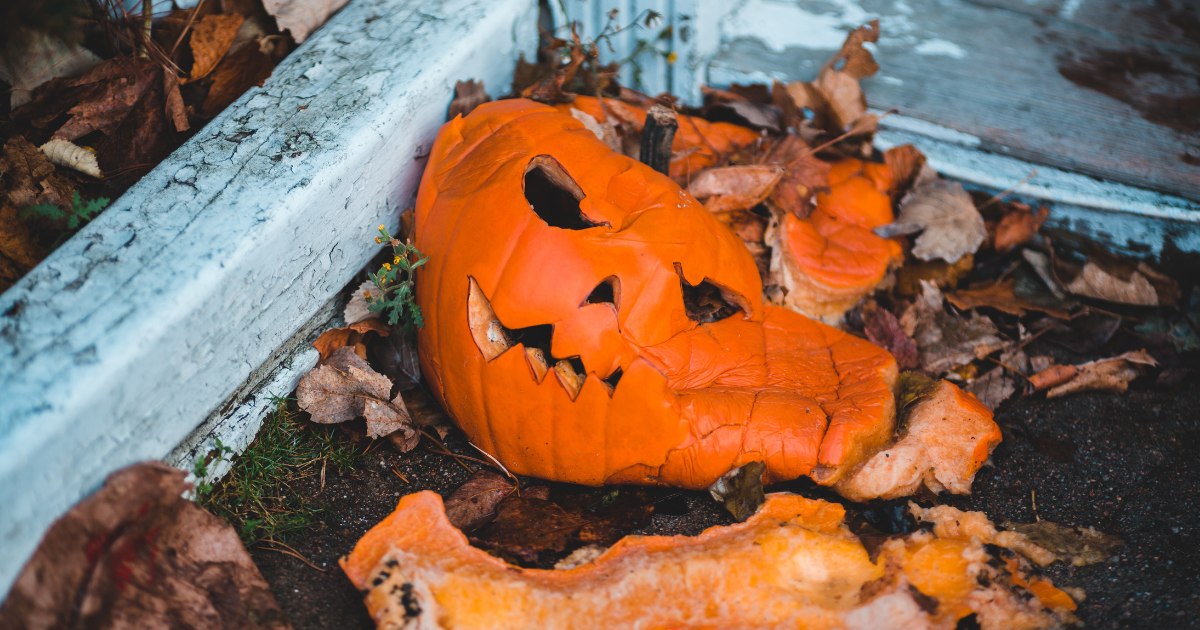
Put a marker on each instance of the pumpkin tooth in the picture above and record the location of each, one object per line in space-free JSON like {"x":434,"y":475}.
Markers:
{"x":490,"y":335}
{"x":571,"y":380}
{"x":537,"y":363}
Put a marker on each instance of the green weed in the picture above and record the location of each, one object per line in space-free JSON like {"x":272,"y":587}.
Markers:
{"x":394,"y":282}
{"x":81,"y":211}
{"x":256,"y":496}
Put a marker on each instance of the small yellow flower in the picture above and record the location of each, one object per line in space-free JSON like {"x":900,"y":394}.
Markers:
{"x":387,"y":266}
{"x":378,"y":239}
{"x":671,"y":58}
{"x":380,"y":227}
{"x":396,"y":260}
{"x":367,"y":294}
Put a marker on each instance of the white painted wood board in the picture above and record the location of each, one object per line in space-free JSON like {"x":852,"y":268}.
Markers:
{"x":136,"y":330}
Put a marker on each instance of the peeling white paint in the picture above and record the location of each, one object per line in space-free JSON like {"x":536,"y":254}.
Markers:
{"x":781,"y":24}
{"x":940,"y":47}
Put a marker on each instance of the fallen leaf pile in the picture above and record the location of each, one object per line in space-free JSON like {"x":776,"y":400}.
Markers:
{"x":136,"y":554}
{"x":101,"y":118}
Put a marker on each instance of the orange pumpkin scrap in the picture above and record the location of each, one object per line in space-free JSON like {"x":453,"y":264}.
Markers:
{"x":698,"y":143}
{"x":947,"y":438}
{"x":588,"y":321}
{"x":831,"y":260}
{"x":793,"y":564}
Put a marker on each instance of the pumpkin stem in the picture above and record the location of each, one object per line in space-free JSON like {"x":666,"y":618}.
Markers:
{"x":657,"y":136}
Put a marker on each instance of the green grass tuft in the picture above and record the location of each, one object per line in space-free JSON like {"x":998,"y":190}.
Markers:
{"x":255,"y":496}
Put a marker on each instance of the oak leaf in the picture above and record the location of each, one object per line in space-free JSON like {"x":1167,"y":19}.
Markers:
{"x":952,"y":227}
{"x":884,"y":330}
{"x":835,"y":97}
{"x":467,"y":96}
{"x":905,"y":163}
{"x":947,"y":341}
{"x":804,"y":175}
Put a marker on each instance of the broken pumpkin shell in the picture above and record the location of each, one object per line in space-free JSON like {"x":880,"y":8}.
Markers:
{"x":830,"y":260}
{"x":668,"y":369}
{"x":793,"y":564}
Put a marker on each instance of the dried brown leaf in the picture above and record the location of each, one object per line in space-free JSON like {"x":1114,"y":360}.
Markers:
{"x":210,"y":40}
{"x":352,"y":335}
{"x":905,"y":163}
{"x":884,"y":330}
{"x":1106,"y":375}
{"x":944,"y":211}
{"x":19,"y":250}
{"x":836,"y":98}
{"x":244,"y":69}
{"x":550,"y":88}
{"x":28,"y":62}
{"x":1000,"y":297}
{"x":939,"y":272}
{"x":137,"y":555}
{"x":474,"y":503}
{"x":729,"y":188}
{"x":1080,"y":545}
{"x":803,"y":176}
{"x":302,"y":17}
{"x":32,"y":179}
{"x":356,"y":308}
{"x":740,"y":490}
{"x":1018,"y":225}
{"x":344,"y":387}
{"x":1094,"y":282}
{"x":947,"y":341}
{"x":65,"y":153}
{"x":467,"y":96}
{"x":993,"y":388}
{"x":1052,"y":376}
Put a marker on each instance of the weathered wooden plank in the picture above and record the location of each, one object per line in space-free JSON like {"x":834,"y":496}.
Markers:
{"x":130,"y":335}
{"x":1050,"y":91}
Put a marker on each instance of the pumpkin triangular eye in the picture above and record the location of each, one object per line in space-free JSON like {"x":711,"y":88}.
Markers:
{"x":553,"y":195}
{"x":607,"y":292}
{"x":706,"y":303}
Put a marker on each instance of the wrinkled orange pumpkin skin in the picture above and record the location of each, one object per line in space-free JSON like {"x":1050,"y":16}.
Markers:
{"x":833,"y":256}
{"x":694,"y":400}
{"x":698,"y":143}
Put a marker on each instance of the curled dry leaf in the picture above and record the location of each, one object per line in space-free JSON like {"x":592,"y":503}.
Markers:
{"x":1106,"y":375}
{"x":19,"y":249}
{"x":1094,"y":282}
{"x":993,"y":387}
{"x":1052,"y":376}
{"x":302,"y":17}
{"x":467,"y":96}
{"x":947,"y":341}
{"x":740,"y":490}
{"x":835,"y":98}
{"x":31,"y":177}
{"x":952,"y":226}
{"x":1019,"y":224}
{"x":884,"y":330}
{"x":905,"y":163}
{"x":66,"y":153}
{"x":1000,"y":296}
{"x":356,"y":308}
{"x":136,"y":554}
{"x":351,"y":335}
{"x":804,"y":175}
{"x":1079,"y":545}
{"x":344,"y":387}
{"x":730,"y":188}
{"x":474,"y":503}
{"x":236,"y":73}
{"x":210,"y":40}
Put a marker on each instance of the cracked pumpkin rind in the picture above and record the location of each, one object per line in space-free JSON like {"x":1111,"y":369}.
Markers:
{"x":693,"y":400}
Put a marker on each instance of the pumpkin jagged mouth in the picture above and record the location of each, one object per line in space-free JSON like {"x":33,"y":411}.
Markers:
{"x":704,"y":303}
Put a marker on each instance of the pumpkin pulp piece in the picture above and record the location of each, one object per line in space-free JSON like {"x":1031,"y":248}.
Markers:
{"x":686,"y":400}
{"x":832,"y":259}
{"x":792,"y":564}
{"x":946,"y":440}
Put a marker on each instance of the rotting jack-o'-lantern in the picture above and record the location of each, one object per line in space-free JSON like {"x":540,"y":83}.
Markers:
{"x":588,"y":321}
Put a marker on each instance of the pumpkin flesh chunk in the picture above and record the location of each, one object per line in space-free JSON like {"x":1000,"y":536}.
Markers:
{"x":831,"y":259}
{"x":792,"y":564}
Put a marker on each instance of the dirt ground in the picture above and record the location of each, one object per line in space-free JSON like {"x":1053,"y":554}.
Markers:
{"x":1125,"y":464}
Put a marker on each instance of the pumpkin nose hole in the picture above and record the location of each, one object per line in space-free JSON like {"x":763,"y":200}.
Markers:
{"x":706,"y":302}
{"x":554,"y":196}
{"x":607,"y":292}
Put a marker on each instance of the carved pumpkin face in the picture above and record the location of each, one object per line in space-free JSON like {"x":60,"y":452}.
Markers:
{"x":589,"y":321}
